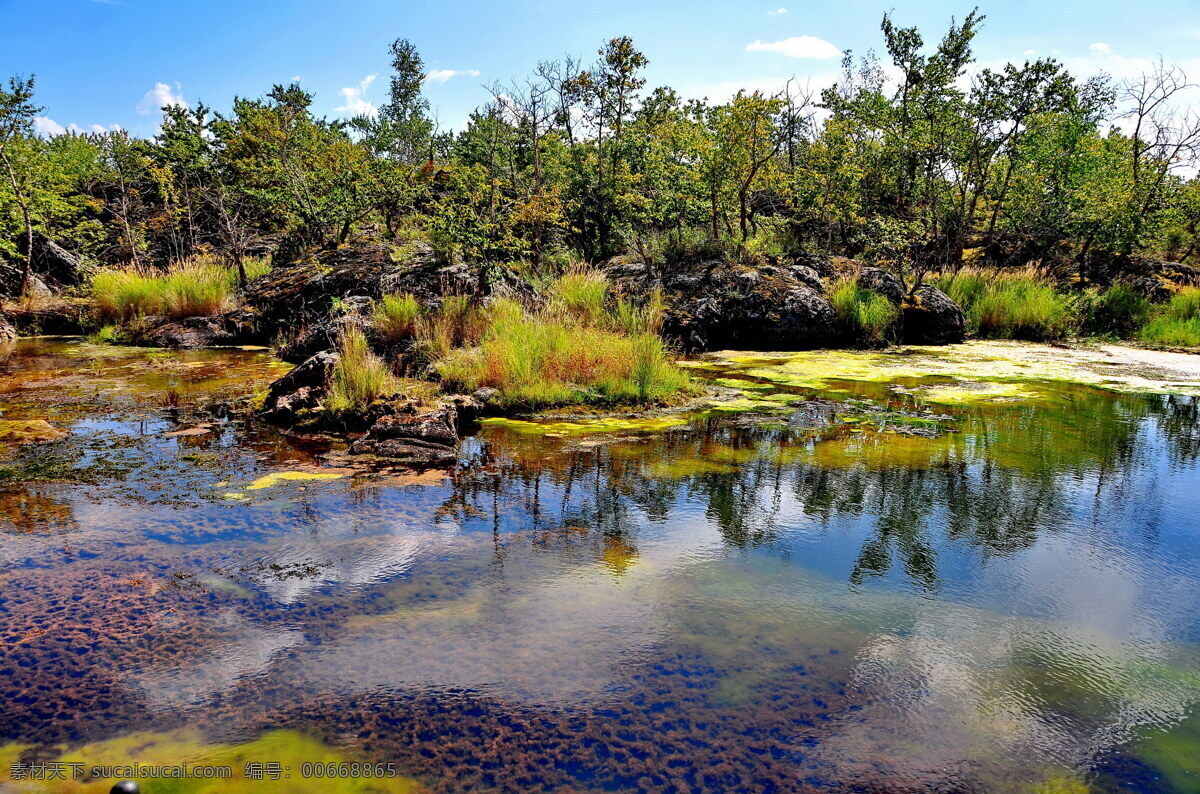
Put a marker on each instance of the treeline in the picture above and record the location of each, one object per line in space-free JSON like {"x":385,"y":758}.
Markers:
{"x":913,"y":159}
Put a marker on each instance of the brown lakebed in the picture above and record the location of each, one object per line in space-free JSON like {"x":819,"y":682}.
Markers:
{"x":936,"y":570}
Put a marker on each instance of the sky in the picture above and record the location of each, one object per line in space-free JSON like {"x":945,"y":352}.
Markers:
{"x":101,"y":63}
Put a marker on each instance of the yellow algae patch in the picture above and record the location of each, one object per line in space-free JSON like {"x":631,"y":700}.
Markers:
{"x":291,"y":750}
{"x":579,"y":427}
{"x":29,"y":431}
{"x":1111,"y":367}
{"x":964,"y":392}
{"x":277,"y":477}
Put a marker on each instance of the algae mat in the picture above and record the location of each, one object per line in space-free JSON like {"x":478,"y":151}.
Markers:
{"x":1112,"y":367}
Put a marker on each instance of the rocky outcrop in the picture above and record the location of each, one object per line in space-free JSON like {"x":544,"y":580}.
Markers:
{"x":231,"y":328}
{"x":426,"y":438}
{"x":714,"y":305}
{"x":300,"y":391}
{"x":931,"y":318}
{"x":7,"y":330}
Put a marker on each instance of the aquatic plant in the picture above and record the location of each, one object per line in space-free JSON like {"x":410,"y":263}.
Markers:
{"x":864,"y":314}
{"x":359,"y":377}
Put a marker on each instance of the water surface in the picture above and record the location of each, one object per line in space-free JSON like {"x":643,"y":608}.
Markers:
{"x":911,"y":584}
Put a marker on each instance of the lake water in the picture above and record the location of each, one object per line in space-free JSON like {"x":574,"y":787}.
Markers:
{"x":868,"y":584}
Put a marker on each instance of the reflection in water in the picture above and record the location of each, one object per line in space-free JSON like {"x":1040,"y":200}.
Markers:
{"x":991,"y":596}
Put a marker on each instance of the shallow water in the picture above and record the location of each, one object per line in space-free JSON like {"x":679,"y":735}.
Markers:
{"x":929,"y":584}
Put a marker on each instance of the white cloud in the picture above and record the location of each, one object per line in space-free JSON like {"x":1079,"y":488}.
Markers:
{"x":798,"y":47}
{"x":297,"y":78}
{"x":778,"y":12}
{"x":354,"y":101}
{"x":1031,"y":52}
{"x":162,"y":95}
{"x":47,"y":127}
{"x":442,"y":75}
{"x":1100,"y":48}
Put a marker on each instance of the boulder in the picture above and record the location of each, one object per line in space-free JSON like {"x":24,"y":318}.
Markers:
{"x":302,"y":388}
{"x":716,"y":304}
{"x":931,"y":318}
{"x":426,"y":438}
{"x":231,"y":328}
{"x":7,"y":330}
{"x":883,"y":282}
{"x":321,"y":335}
{"x":56,"y":263}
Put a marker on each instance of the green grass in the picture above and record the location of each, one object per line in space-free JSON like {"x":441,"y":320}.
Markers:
{"x":200,"y":287}
{"x":1176,"y":324}
{"x":1021,"y":304}
{"x":359,"y":377}
{"x":864,"y":314}
{"x":579,"y":348}
{"x":397,"y":317}
{"x":1118,"y":311}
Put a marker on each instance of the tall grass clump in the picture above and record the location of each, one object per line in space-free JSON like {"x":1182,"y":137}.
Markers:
{"x":359,"y":377}
{"x":197,"y":288}
{"x":1021,"y":304}
{"x":579,"y":295}
{"x":397,"y":317}
{"x":1177,"y":324}
{"x":1118,"y":311}
{"x":863,"y":314}
{"x":579,"y":348}
{"x":458,"y":322}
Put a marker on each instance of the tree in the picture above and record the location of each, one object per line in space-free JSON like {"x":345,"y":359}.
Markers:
{"x":17,"y":113}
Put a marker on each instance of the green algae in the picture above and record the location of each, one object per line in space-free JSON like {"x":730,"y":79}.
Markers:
{"x":289,"y":749}
{"x":1109,"y":367}
{"x":560,"y":428}
{"x":28,"y":431}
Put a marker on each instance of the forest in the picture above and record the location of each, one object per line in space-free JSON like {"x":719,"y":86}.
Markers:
{"x":912,"y":158}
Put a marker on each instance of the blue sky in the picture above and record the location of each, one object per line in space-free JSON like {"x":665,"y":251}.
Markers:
{"x":106,"y":62}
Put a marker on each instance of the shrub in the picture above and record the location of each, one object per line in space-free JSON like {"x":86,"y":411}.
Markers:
{"x":864,"y":314}
{"x":360,"y":377}
{"x":397,"y":317}
{"x":1118,"y":311}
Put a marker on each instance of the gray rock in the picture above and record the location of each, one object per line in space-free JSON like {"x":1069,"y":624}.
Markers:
{"x":931,"y":318}
{"x":883,"y":282}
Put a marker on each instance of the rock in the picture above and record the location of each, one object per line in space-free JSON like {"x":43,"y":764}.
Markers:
{"x":231,"y":328}
{"x":716,"y":304}
{"x":55,"y":316}
{"x":883,"y":282}
{"x":931,"y":318}
{"x":7,"y":330}
{"x":322,"y":335}
{"x":55,"y":262}
{"x":424,"y":439}
{"x":487,"y":395}
{"x":435,"y":426}
{"x":302,"y":388}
